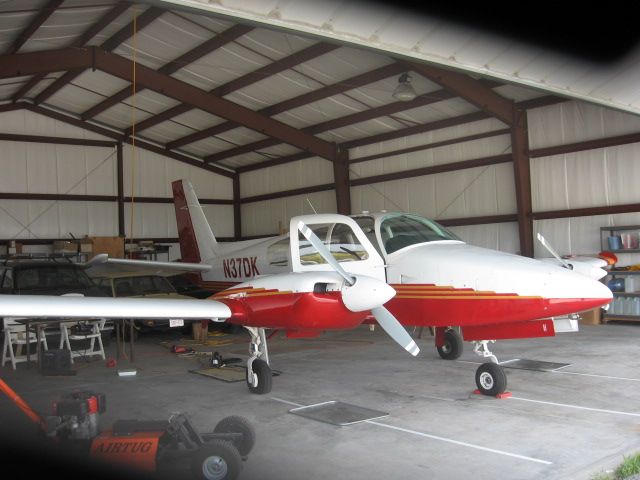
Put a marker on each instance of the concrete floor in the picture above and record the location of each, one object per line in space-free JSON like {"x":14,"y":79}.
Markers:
{"x":569,"y":424}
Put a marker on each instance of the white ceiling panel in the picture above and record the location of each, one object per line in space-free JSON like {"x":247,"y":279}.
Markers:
{"x":274,"y":89}
{"x":272,"y":44}
{"x":99,"y":82}
{"x":64,"y":26}
{"x":74,"y":99}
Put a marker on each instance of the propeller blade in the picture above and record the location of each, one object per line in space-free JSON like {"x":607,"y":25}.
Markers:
{"x":395,"y":330}
{"x":550,"y":249}
{"x":324,"y":252}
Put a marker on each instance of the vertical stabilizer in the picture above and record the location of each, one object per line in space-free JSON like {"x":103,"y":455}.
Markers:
{"x":197,"y":243}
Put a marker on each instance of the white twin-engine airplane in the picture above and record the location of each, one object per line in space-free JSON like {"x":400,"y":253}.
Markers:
{"x":336,"y":272}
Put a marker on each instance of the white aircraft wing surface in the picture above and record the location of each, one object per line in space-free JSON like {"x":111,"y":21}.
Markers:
{"x":44,"y":306}
{"x":102,"y":266}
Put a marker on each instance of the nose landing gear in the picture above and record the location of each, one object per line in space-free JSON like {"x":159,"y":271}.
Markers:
{"x":490,"y":376}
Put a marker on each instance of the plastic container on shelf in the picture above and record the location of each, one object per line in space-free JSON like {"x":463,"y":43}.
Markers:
{"x":615,"y":242}
{"x":636,"y":306}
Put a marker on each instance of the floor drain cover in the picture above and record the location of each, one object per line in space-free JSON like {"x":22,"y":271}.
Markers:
{"x":533,"y":365}
{"x":338,"y":413}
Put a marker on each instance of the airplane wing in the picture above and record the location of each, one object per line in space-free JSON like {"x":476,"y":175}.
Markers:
{"x":44,"y":306}
{"x":101,"y":266}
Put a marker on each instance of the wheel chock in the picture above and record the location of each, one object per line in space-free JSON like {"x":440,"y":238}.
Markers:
{"x":499,"y":396}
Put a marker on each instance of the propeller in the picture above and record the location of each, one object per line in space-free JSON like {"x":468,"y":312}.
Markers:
{"x":362,"y":293}
{"x":550,"y":249}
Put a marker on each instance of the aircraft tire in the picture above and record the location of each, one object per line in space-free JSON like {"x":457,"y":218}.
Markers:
{"x":237,"y":424}
{"x":216,"y":460}
{"x":263,"y":372}
{"x":491,"y":379}
{"x":452,"y":347}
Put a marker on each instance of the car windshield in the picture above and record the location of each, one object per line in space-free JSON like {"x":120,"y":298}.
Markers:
{"x":146,"y":285}
{"x":51,"y":278}
{"x":399,"y":231}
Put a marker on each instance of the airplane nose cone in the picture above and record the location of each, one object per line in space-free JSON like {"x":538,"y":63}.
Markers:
{"x":366,"y":293}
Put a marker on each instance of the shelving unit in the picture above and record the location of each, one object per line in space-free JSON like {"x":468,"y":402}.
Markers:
{"x":625,"y":305}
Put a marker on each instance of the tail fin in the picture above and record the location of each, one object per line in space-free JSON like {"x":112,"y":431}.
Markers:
{"x":197,"y":242}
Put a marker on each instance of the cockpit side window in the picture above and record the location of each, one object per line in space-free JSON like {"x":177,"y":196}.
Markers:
{"x":367,"y":224}
{"x":399,"y":231}
{"x":339,"y":239}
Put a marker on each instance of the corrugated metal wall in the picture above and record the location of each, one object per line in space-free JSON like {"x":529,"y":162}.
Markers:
{"x":88,"y":170}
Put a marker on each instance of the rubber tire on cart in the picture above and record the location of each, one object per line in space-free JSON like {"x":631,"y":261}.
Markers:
{"x":491,"y":379}
{"x":216,"y":460}
{"x":237,"y":424}
{"x":453,"y":345}
{"x":262,"y":371}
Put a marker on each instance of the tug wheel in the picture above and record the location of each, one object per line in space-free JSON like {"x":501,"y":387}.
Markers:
{"x":452,"y":347}
{"x":216,"y":460}
{"x":491,"y":379}
{"x":237,"y":424}
{"x":262,"y":377}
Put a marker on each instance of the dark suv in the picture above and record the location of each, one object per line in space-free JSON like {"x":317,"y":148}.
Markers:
{"x":28,"y":277}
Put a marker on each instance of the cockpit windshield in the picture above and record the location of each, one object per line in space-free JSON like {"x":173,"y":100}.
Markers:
{"x":401,"y":230}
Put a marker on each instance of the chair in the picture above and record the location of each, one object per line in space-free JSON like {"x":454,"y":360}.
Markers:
{"x":93,"y":333}
{"x":14,"y":336}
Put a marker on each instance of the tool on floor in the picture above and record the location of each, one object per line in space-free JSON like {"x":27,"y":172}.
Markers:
{"x":152,"y":446}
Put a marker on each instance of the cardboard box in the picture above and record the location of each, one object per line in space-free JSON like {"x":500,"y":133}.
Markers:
{"x":591,"y":317}
{"x":86,"y":245}
{"x":112,"y":246}
{"x":14,"y":248}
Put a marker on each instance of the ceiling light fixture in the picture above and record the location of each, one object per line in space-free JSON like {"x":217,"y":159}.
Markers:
{"x":404,"y":91}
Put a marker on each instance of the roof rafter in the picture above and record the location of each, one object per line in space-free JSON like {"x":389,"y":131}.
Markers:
{"x":110,"y":44}
{"x":369,"y":114}
{"x":405,"y":132}
{"x":273,"y":68}
{"x":42,"y":16}
{"x":192,"y":55}
{"x":71,"y":58}
{"x":303,"y":99}
{"x":469,"y":89}
{"x":88,"y":34}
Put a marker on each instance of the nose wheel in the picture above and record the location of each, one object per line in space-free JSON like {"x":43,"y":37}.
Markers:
{"x":259,"y":374}
{"x":452,"y":345}
{"x":490,"y":377}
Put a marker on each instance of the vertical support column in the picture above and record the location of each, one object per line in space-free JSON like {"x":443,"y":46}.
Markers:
{"x":120,"y":173}
{"x":237,"y":215}
{"x":341,"y":178}
{"x":522,"y":173}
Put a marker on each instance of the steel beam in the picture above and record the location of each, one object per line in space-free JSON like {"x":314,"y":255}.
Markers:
{"x":183,"y":60}
{"x":41,"y":17}
{"x":341,"y":179}
{"x":197,"y":98}
{"x":271,"y":69}
{"x":112,"y":43}
{"x":300,"y":100}
{"x":91,"y":32}
{"x":522,"y":174}
{"x":473,"y":91}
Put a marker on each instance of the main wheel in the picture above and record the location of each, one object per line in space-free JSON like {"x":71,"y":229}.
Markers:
{"x":453,"y":345}
{"x":237,"y":424}
{"x":216,"y":460}
{"x":491,"y":379}
{"x":262,"y":377}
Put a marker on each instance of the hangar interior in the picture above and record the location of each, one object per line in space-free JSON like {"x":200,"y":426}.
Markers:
{"x":271,"y":110}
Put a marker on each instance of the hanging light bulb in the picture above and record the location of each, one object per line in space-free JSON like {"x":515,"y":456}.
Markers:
{"x":404,"y":91}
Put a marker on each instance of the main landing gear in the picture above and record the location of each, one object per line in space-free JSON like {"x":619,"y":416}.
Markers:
{"x":490,"y":377}
{"x":259,"y":375}
{"x":452,"y":346}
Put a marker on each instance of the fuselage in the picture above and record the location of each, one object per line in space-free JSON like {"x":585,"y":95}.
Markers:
{"x":439,"y":279}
